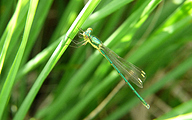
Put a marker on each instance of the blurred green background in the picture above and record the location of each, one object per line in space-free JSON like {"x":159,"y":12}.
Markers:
{"x":43,"y":77}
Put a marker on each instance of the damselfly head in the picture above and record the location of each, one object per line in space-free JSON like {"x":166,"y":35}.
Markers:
{"x":89,"y":29}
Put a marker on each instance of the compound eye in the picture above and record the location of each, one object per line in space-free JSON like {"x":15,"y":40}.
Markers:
{"x":90,"y":29}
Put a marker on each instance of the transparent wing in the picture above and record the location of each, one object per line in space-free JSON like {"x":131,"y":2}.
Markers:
{"x":129,"y":71}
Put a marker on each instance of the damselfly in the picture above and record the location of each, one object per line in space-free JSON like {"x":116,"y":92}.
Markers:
{"x":125,"y":69}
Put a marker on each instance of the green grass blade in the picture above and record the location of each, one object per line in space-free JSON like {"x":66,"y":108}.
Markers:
{"x":89,"y":7}
{"x":108,"y":9}
{"x":5,"y":94}
{"x":179,"y":111}
{"x":12,"y":26}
